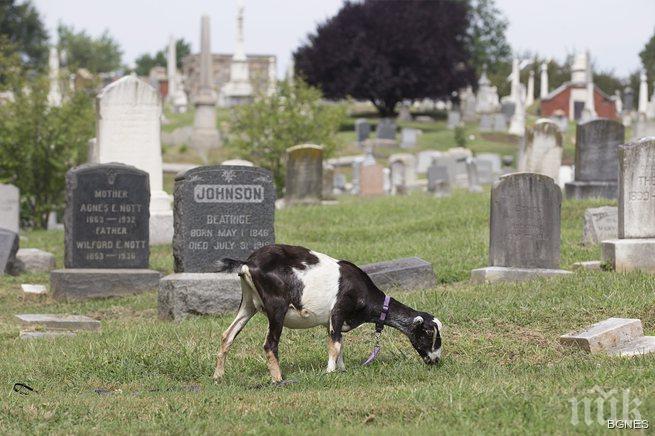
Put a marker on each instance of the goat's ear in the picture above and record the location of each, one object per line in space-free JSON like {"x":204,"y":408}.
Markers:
{"x":418,"y":321}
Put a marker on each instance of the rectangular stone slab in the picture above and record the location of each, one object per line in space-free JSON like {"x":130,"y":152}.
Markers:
{"x":604,"y":335}
{"x":81,"y":284}
{"x":497,"y":274}
{"x":59,"y":322}
{"x":407,"y":274}
{"x":637,"y":347}
{"x":184,"y":294}
{"x":29,"y":334}
{"x":624,"y":255}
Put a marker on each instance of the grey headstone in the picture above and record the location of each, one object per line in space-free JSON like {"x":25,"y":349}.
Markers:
{"x":340,"y":181}
{"x":439,"y":179}
{"x":494,"y":160}
{"x":628,"y":99}
{"x":8,"y":249}
{"x":406,"y":274}
{"x":499,"y":123}
{"x":472,"y":174}
{"x":87,"y":283}
{"x":485,"y":171}
{"x":362,"y":129}
{"x":542,"y":152}
{"x":507,"y":109}
{"x":304,"y":177}
{"x":486,"y":123}
{"x":33,"y":260}
{"x":636,"y":189}
{"x":107,"y":217}
{"x":596,"y":150}
{"x":404,"y":113}
{"x":386,"y":129}
{"x":328,"y":181}
{"x":221,"y":211}
{"x":9,"y":208}
{"x":525,"y":222}
{"x":424,"y":160}
{"x":184,"y":294}
{"x":454,"y":119}
{"x":600,"y":224}
{"x":408,"y":137}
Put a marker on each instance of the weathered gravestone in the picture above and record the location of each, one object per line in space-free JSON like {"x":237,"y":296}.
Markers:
{"x":304,"y":177}
{"x":406,"y":274}
{"x":499,"y":122}
{"x":472,"y":173}
{"x":106,"y":250}
{"x":408,"y":137}
{"x":507,"y":109}
{"x":129,"y":131}
{"x":424,"y":160}
{"x":439,"y":180}
{"x":635,"y":247}
{"x":403,"y":174}
{"x":460,"y":173}
{"x":486,"y":122}
{"x":9,"y":208}
{"x":371,"y":179}
{"x":613,"y":336}
{"x":327,"y":190}
{"x":8,"y":249}
{"x":220,"y":211}
{"x":485,"y":171}
{"x":524,"y":229}
{"x":600,"y":224}
{"x":596,"y":159}
{"x":362,"y":129}
{"x":542,"y":153}
{"x":386,"y":129}
{"x":454,"y":118}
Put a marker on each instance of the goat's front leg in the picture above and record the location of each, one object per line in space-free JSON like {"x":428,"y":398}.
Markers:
{"x":275,"y":324}
{"x":335,"y":353}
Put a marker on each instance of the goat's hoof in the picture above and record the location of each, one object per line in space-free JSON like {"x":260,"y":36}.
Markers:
{"x":282,"y":383}
{"x":217,"y":376}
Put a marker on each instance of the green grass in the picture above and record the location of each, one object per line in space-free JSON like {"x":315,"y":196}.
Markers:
{"x":503,"y":370}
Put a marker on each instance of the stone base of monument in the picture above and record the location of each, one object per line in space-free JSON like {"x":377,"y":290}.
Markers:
{"x":613,"y":336}
{"x":161,"y":228}
{"x":205,"y":139}
{"x":81,"y":284}
{"x":581,"y":190}
{"x":184,"y":294}
{"x":495,"y":274}
{"x":406,"y":274}
{"x":590,"y":265}
{"x":625,"y":255}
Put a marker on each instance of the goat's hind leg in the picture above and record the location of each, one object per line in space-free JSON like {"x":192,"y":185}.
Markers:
{"x":246,"y":311}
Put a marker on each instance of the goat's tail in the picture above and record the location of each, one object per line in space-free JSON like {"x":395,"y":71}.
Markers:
{"x":228,"y":265}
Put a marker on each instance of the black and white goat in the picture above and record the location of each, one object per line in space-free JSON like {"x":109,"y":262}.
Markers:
{"x":299,"y":288}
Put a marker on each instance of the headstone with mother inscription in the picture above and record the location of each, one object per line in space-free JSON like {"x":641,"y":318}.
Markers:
{"x":220,"y":211}
{"x":596,"y":159}
{"x":524,"y":229}
{"x":635,"y":247}
{"x":106,"y":220}
{"x":304,"y":177}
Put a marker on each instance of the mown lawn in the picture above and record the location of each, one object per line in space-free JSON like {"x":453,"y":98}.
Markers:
{"x":503,"y":370}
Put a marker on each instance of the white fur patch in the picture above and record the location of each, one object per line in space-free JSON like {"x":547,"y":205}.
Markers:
{"x":321,"y":285}
{"x":438,"y":323}
{"x":434,"y":355}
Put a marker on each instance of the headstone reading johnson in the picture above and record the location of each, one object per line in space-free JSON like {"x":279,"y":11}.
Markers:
{"x":304,"y":177}
{"x":635,"y":247}
{"x":524,"y":229}
{"x":220,"y":211}
{"x":106,"y":233}
{"x":596,"y":159}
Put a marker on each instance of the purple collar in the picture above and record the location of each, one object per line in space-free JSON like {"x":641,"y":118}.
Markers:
{"x":379,"y":325}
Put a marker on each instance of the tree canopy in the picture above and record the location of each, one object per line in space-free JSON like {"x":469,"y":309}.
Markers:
{"x":388,"y":51}
{"x":22,"y":27}
{"x":100,"y":54}
{"x":145,"y":62}
{"x":647,"y":56}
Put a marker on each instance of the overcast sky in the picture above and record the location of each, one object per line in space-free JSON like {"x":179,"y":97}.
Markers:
{"x":614,"y":30}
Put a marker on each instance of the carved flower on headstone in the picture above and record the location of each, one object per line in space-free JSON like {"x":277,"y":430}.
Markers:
{"x":228,"y":175}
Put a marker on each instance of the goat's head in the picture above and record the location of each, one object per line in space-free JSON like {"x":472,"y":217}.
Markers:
{"x":425,"y":336}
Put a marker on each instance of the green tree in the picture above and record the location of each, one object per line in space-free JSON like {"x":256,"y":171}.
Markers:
{"x":38,"y":144}
{"x":145,"y":62}
{"x":98,"y":55}
{"x":22,"y":26}
{"x":647,"y":56}
{"x":294,"y":114}
{"x":487,"y":43}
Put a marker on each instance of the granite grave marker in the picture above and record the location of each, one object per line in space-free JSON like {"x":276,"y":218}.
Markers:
{"x":304,"y":176}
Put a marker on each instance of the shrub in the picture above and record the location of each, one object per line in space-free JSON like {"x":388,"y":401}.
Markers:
{"x":294,"y":114}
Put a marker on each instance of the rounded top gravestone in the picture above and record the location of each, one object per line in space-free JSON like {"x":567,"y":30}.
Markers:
{"x":107,"y":214}
{"x":637,"y":189}
{"x":221,"y":211}
{"x":304,"y":176}
{"x":525,"y":222}
{"x":543,"y":149}
{"x":596,"y":150}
